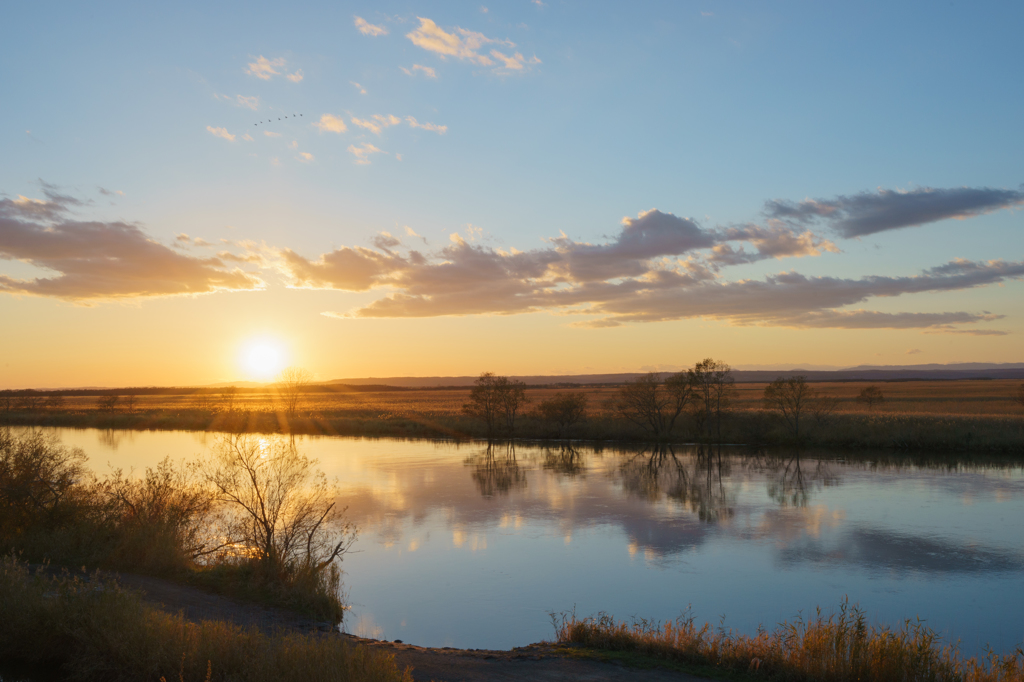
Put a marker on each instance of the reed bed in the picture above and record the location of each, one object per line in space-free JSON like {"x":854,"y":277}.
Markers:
{"x":840,"y":647}
{"x":94,"y":630}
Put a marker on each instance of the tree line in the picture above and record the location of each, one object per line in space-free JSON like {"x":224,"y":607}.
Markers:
{"x":655,"y":403}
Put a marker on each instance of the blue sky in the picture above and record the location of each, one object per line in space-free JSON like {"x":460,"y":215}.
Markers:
{"x":533,"y":120}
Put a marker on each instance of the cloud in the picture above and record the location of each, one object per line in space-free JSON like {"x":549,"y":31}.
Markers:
{"x":248,"y":102}
{"x":914,"y":351}
{"x":221,"y":132}
{"x":870,"y":212}
{"x":102,"y":260}
{"x":425,"y":70}
{"x":413,"y":123}
{"x":363,"y":152}
{"x":269,"y":133}
{"x":466,"y":45}
{"x":295,"y":77}
{"x":658,"y":267}
{"x":368,"y":29}
{"x":376,"y":123}
{"x":109,"y":193}
{"x":264,"y":68}
{"x":329,"y":123}
{"x":385,"y":241}
{"x":247,"y":137}
{"x":360,"y":88}
{"x":771,"y":242}
{"x":305,"y":157}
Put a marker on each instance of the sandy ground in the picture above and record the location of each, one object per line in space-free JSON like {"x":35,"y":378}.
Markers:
{"x":536,"y":662}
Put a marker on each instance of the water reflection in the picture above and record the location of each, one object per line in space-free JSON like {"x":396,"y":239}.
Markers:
{"x":695,"y":480}
{"x":790,"y":482}
{"x":496,"y":471}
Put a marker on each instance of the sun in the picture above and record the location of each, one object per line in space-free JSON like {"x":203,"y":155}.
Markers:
{"x":263,"y":359}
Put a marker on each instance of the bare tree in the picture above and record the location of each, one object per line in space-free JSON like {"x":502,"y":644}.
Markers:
{"x":108,"y":403}
{"x":227,"y":397}
{"x":54,"y":403}
{"x":1019,"y":398}
{"x":712,"y":383}
{"x":871,"y":396}
{"x":485,"y":401}
{"x":513,"y":398}
{"x":129,"y":402}
{"x":496,"y":399}
{"x":286,"y":515}
{"x":38,"y":479}
{"x":652,"y":404}
{"x":791,"y":398}
{"x":293,"y":382}
{"x":564,"y":409}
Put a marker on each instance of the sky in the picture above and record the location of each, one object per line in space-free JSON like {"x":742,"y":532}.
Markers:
{"x":195,"y":193}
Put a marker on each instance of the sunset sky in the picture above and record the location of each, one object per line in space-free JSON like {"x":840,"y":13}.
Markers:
{"x":193,"y":193}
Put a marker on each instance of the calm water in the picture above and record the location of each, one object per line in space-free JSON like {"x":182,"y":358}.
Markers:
{"x":465,"y":546}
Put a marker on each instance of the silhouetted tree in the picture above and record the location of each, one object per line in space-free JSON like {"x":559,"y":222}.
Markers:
{"x":652,"y":404}
{"x":871,"y":396}
{"x":228,"y":398}
{"x":564,"y":409}
{"x":791,"y":398}
{"x":1019,"y":398}
{"x":496,"y":399}
{"x":108,"y":403}
{"x":712,"y":384}
{"x":54,"y":403}
{"x":293,"y":382}
{"x":129,"y":402}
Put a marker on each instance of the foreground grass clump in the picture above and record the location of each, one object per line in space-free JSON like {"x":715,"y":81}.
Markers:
{"x":97,"y":631}
{"x":838,"y":648}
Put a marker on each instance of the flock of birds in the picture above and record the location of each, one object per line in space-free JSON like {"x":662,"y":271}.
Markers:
{"x":270,"y":120}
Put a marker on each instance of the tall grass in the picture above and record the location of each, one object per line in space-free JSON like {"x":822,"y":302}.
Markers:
{"x":841,"y":647}
{"x":91,"y":630}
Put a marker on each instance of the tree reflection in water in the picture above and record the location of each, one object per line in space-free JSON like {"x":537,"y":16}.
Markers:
{"x":496,"y":471}
{"x":694,"y":480}
{"x":790,"y":483}
{"x":566,"y":460}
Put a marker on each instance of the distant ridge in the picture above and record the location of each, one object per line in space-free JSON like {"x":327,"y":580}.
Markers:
{"x":970,"y":370}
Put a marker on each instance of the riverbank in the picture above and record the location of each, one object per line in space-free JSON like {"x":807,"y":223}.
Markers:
{"x":151,"y":628}
{"x":959,"y":433}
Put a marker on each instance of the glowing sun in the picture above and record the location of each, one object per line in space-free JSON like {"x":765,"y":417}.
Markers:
{"x":263,"y":358}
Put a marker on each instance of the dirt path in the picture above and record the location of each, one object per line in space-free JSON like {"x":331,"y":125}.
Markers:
{"x":534,"y":663}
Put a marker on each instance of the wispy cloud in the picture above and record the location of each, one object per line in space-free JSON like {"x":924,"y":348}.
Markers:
{"x":295,"y":77}
{"x":363,"y":152}
{"x":871,"y":212}
{"x":270,"y":133}
{"x":360,"y":88}
{"x":305,"y":157}
{"x":264,"y":68}
{"x":425,"y":70}
{"x":329,"y":123}
{"x":221,"y":132}
{"x":433,"y":127}
{"x":109,"y":193}
{"x":368,"y":29}
{"x":467,"y":46}
{"x":376,"y":123}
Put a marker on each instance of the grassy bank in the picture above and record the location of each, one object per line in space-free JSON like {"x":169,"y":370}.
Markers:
{"x":837,"y":648}
{"x":97,"y":631}
{"x":856,"y":429}
{"x":265,"y":529}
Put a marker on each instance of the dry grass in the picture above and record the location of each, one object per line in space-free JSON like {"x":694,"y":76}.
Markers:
{"x":948,"y":415}
{"x":97,"y":631}
{"x":838,"y":648}
{"x":965,"y":397}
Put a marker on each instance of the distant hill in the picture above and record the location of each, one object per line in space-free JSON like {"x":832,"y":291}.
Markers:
{"x":974,"y":370}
